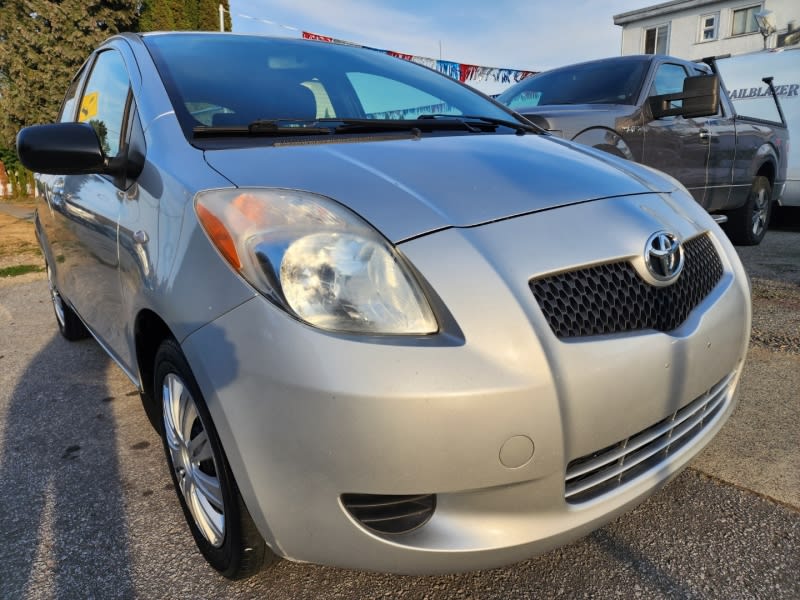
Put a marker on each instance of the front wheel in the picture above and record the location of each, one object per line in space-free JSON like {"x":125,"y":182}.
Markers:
{"x":748,"y":224}
{"x":218,"y":519}
{"x":69,"y":324}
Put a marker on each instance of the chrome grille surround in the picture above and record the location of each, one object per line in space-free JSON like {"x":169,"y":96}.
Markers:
{"x":613,"y":298}
{"x":601,"y":472}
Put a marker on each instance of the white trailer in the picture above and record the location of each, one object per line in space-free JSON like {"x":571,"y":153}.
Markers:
{"x":743,"y":75}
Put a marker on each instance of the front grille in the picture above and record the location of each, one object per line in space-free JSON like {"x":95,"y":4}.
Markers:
{"x":612,"y":298}
{"x":390,"y":514}
{"x":598,"y":473}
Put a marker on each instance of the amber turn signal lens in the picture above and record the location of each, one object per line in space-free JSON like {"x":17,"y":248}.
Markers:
{"x":219,"y":235}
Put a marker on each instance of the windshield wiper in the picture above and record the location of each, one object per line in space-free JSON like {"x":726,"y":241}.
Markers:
{"x":298,"y":127}
{"x":429,"y":122}
{"x":414,"y":126}
{"x":328,"y":126}
{"x":265,"y":127}
{"x":520,"y":128}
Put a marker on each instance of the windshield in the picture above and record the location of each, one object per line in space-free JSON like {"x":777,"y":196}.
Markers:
{"x":602,"y":82}
{"x":229,"y":81}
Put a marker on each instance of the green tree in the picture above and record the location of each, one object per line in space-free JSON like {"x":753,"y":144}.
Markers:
{"x":9,"y":159}
{"x":42,"y":44}
{"x":156,"y":15}
{"x":208,"y":15}
{"x":102,"y":134}
{"x":191,"y":15}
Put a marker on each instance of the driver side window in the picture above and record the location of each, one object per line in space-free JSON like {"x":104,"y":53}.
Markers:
{"x":669,"y":80}
{"x":525,"y":98}
{"x":67,"y":112}
{"x":104,"y":100}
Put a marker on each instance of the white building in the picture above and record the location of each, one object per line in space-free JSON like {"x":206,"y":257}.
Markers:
{"x":694,"y":29}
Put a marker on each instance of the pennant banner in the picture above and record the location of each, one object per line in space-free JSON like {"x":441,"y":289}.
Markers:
{"x":315,"y":36}
{"x":398,"y":55}
{"x":458,"y":71}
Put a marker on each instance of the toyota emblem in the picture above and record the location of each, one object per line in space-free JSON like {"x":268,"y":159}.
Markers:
{"x":663,"y":255}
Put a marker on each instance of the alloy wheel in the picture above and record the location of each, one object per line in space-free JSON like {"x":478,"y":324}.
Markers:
{"x":760,"y":212}
{"x":58,"y":304}
{"x":193,"y":460}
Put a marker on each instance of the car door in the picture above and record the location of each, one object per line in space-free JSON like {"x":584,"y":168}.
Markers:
{"x":719,"y":131}
{"x":51,"y":187}
{"x":87,"y":207}
{"x":676,"y":145}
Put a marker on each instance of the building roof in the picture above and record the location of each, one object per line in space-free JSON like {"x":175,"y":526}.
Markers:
{"x":656,"y":10}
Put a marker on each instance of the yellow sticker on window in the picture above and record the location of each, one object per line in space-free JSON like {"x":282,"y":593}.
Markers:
{"x":88,"y":106}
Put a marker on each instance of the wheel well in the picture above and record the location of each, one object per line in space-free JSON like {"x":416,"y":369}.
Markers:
{"x":150,"y":330}
{"x":767,"y":170}
{"x":611,"y":150}
{"x":605,"y":139}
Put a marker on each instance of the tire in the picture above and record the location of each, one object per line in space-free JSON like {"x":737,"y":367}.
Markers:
{"x":748,"y":224}
{"x":69,"y":324}
{"x":218,"y":519}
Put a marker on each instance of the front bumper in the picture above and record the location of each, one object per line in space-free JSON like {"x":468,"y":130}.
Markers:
{"x":789,"y":194}
{"x":307,"y":416}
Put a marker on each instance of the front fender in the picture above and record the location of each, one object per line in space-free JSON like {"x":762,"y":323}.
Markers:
{"x":605,"y":139}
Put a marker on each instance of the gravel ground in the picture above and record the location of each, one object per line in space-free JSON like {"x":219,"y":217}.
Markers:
{"x":774,"y":268}
{"x":776,"y":319}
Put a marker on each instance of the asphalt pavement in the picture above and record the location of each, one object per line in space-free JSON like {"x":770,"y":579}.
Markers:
{"x":87,"y":508}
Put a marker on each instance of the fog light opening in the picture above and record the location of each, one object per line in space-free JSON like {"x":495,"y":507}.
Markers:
{"x":390,"y":514}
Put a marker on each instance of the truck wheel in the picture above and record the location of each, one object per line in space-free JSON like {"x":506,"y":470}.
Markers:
{"x":69,"y":324}
{"x":747,"y":225}
{"x":218,"y":519}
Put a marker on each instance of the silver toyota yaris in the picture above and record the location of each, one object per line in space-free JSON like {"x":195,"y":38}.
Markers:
{"x":380,"y":321}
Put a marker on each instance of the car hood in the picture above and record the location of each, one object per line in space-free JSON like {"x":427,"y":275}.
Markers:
{"x":572,"y":109}
{"x":409,"y":187}
{"x":576,"y":117}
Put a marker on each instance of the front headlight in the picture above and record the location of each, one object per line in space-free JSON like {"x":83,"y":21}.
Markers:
{"x":316,"y":259}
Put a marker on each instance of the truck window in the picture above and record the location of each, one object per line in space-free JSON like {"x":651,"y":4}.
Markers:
{"x":669,"y":80}
{"x":597,"y":82}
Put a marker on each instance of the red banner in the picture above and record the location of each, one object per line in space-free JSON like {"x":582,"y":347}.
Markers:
{"x":315,"y":36}
{"x":399,"y":55}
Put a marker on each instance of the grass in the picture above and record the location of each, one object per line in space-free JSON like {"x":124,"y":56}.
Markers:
{"x":18,"y":199}
{"x":15,"y":249}
{"x":20,"y":270}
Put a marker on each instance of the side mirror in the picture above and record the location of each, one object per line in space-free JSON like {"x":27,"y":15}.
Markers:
{"x":61,"y":149}
{"x":699,"y":98}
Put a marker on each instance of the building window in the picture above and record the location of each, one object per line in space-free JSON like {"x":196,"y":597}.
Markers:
{"x":744,"y":20}
{"x":655,"y":39}
{"x":708,"y":27}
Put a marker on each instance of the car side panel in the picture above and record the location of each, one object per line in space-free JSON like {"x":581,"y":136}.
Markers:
{"x":754,"y":150}
{"x":173,"y":258}
{"x":87,"y":225}
{"x":675,"y":145}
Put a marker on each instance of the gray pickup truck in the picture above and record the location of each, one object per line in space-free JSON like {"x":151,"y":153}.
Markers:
{"x":673,"y":115}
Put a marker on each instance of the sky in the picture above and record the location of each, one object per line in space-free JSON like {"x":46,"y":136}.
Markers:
{"x":531,"y":35}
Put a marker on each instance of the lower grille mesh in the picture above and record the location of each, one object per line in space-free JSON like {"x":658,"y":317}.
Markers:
{"x":612,"y":298}
{"x":598,"y":473}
